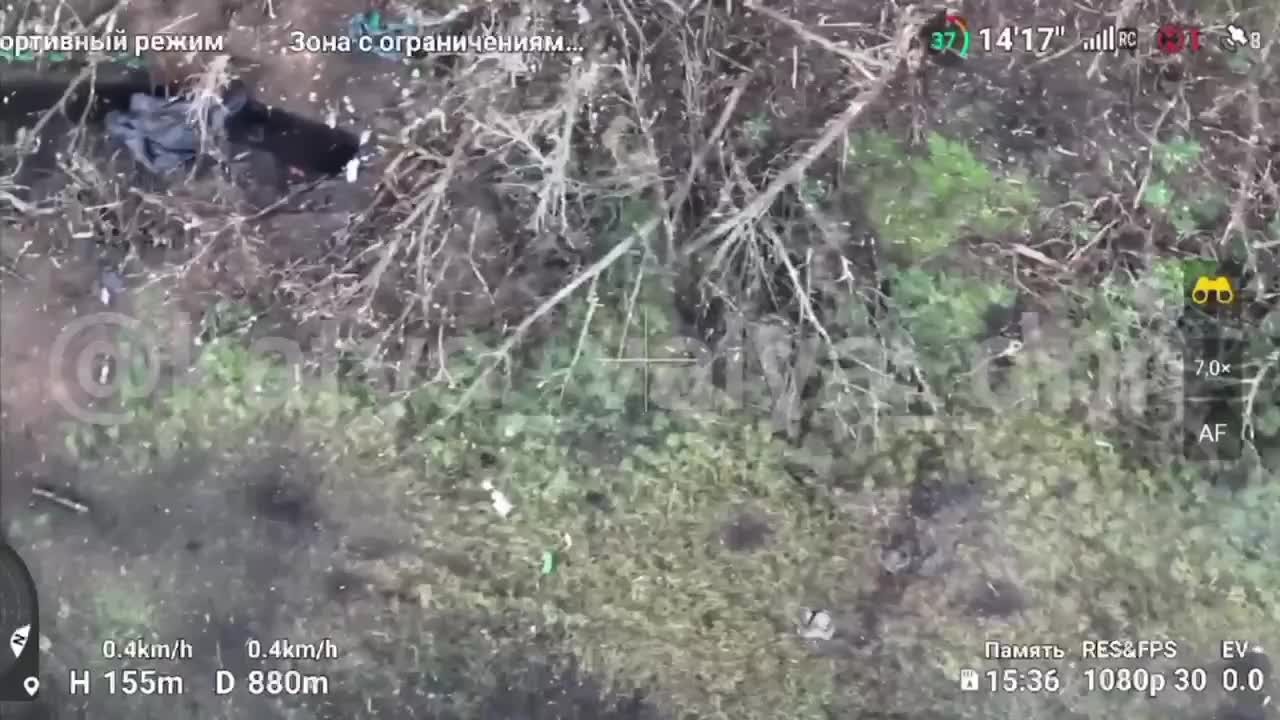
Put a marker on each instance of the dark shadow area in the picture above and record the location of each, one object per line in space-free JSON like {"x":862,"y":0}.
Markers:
{"x":297,"y":141}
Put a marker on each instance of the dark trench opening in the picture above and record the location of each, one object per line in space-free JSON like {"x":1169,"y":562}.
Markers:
{"x":295,"y":140}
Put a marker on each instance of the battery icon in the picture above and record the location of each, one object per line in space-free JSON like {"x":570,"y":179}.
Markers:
{"x":968,"y":679}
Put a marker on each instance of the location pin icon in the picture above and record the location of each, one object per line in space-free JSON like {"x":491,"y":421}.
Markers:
{"x":31,"y":685}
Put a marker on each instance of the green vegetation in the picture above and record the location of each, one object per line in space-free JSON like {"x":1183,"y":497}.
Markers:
{"x":640,"y":509}
{"x":921,"y":205}
{"x":671,"y":547}
{"x":645,"y":590}
{"x":944,"y":314}
{"x":900,"y":342}
{"x":1175,"y":165}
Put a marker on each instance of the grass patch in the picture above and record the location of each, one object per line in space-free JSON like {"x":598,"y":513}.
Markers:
{"x":653,"y":587}
{"x":635,"y":508}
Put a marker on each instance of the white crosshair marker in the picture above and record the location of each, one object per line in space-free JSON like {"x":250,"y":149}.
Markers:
{"x":646,"y":361}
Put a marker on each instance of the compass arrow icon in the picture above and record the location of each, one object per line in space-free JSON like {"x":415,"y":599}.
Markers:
{"x":18,"y":640}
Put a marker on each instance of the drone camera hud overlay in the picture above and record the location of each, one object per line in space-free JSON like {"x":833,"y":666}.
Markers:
{"x":639,"y":360}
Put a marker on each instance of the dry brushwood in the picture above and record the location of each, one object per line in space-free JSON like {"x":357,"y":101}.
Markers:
{"x":836,"y":129}
{"x":750,"y":214}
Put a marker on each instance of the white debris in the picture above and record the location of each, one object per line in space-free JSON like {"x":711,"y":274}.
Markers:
{"x":353,"y":169}
{"x":104,"y":295}
{"x":815,"y":625}
{"x":501,"y":504}
{"x":584,"y":16}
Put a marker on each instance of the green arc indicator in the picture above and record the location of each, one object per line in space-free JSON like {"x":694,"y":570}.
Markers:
{"x":957,"y":25}
{"x":952,"y":38}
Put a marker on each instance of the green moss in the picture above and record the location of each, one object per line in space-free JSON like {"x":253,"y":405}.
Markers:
{"x":921,"y":205}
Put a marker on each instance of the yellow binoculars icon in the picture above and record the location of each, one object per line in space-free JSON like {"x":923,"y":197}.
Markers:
{"x":1219,"y":286}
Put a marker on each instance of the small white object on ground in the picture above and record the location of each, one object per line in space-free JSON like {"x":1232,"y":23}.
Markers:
{"x":501,"y":504}
{"x":584,"y":16}
{"x":353,"y":169}
{"x":815,"y":625}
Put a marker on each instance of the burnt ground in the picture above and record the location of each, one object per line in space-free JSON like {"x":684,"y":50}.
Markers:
{"x":277,"y":545}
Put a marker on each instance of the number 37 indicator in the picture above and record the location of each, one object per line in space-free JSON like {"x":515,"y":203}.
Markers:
{"x":952,"y":38}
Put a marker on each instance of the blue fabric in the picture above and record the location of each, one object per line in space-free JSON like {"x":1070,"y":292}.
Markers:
{"x":160,"y":133}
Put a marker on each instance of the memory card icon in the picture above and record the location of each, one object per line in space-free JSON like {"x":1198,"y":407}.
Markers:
{"x":968,"y":679}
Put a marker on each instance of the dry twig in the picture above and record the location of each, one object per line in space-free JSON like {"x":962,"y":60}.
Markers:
{"x":859,"y":60}
{"x":794,"y":173}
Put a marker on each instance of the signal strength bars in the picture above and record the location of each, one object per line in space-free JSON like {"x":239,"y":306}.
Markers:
{"x":1112,"y":39}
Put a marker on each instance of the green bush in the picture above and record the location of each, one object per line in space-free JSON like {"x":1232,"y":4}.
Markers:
{"x":944,"y":314}
{"x":921,"y":205}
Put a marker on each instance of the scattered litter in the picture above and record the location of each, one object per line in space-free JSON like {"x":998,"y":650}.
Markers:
{"x":110,"y":285}
{"x":353,"y":169}
{"x":501,"y":504}
{"x":550,"y":560}
{"x":815,"y":625}
{"x":161,"y":134}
